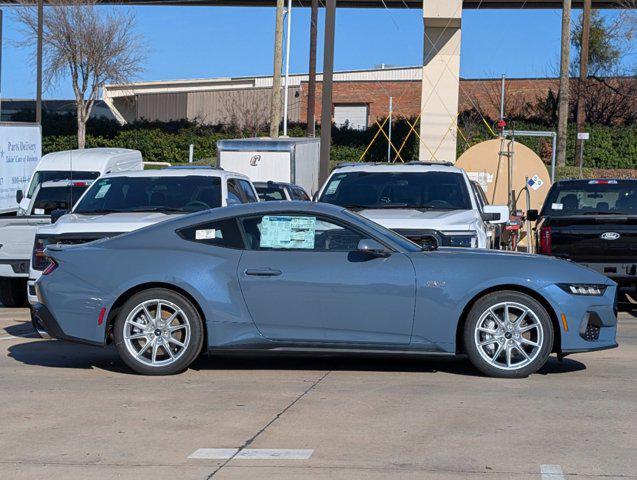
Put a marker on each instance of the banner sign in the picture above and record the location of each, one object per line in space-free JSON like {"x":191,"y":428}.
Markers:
{"x":20,"y":151}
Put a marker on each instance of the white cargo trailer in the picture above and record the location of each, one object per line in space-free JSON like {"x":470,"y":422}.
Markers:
{"x":289,"y":160}
{"x":20,"y":152}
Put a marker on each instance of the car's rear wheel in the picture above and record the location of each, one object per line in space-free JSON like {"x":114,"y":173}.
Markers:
{"x":158,"y":332}
{"x":508,"y":334}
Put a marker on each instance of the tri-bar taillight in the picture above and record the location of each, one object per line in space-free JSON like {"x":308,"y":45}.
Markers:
{"x":50,"y":267}
{"x":40,"y":260}
{"x":545,"y":240}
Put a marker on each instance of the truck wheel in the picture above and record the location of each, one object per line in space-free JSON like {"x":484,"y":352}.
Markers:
{"x":13,"y":292}
{"x":158,"y":332}
{"x":508,"y":334}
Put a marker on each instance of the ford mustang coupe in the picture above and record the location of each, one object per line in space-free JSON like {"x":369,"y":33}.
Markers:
{"x":307,"y":277}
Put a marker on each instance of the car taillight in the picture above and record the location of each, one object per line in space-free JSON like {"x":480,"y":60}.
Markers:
{"x":50,"y":267}
{"x":545,"y":240}
{"x":40,"y":260}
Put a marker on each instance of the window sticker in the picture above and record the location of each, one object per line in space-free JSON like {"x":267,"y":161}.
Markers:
{"x":38,"y":211}
{"x":103,"y":190}
{"x":206,"y":234}
{"x":287,"y":232}
{"x":331,"y":188}
{"x":557,"y":206}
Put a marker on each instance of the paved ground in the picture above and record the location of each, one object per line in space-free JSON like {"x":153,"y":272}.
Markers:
{"x":75,"y":412}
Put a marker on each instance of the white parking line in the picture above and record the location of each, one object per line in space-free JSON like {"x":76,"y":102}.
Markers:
{"x":11,"y":337}
{"x":552,"y":472}
{"x":251,"y":454}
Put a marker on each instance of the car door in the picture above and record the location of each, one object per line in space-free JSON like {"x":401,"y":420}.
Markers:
{"x":303,"y":280}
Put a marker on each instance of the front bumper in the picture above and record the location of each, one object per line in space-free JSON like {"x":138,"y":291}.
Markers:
{"x":586,"y":323}
{"x":45,"y":325}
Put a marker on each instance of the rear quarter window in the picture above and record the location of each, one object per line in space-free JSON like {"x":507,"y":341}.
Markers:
{"x":220,"y":233}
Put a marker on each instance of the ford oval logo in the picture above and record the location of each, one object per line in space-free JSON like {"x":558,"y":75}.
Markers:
{"x":610,"y":236}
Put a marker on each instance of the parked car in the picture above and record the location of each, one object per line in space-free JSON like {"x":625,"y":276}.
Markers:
{"x":317,"y":278}
{"x":432,"y":204}
{"x":123,"y":202}
{"x":592,"y":222}
{"x":17,"y":234}
{"x":272,"y":191}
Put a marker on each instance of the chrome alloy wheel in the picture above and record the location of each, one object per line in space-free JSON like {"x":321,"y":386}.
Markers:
{"x":156,"y":332}
{"x":509,"y":335}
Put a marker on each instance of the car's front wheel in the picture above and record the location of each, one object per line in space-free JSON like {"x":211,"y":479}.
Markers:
{"x":158,"y":332}
{"x":508,"y":334}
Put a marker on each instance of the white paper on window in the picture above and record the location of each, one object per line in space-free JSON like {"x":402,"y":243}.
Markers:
{"x":281,"y":231}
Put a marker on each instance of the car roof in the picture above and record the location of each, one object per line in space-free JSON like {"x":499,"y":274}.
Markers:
{"x":271,"y":183}
{"x":588,"y":181}
{"x":87,"y":159}
{"x":178,"y":172}
{"x":397,"y":167}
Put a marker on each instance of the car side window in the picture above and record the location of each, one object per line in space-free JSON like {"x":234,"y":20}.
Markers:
{"x":299,"y":194}
{"x":298,"y":232}
{"x":248,"y":191}
{"x":220,"y":233}
{"x":235,"y":195}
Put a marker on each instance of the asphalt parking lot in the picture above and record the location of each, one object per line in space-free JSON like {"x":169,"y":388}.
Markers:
{"x":75,"y":412}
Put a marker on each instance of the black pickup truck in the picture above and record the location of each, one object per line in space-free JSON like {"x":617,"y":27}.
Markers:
{"x":592,"y":222}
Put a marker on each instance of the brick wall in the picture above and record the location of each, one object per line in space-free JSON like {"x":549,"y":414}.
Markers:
{"x":483,"y":95}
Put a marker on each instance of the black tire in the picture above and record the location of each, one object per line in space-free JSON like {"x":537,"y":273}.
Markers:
{"x":538,"y":355}
{"x":13,"y":292}
{"x":192,"y":347}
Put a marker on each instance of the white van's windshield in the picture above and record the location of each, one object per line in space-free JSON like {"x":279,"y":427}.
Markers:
{"x":42,"y":176}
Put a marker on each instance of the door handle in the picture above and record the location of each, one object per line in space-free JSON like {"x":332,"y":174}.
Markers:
{"x":263,"y":272}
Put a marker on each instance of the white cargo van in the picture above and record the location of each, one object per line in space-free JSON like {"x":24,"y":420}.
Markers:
{"x":88,"y":163}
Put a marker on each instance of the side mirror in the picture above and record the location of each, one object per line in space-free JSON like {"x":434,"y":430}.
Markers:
{"x":532,"y":215}
{"x":57,"y":213}
{"x":373,"y":248}
{"x":19,"y":195}
{"x":496,"y":213}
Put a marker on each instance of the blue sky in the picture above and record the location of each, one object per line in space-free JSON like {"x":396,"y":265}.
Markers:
{"x":199,"y":42}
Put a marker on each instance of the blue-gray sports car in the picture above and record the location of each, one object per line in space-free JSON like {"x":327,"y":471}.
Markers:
{"x":307,"y":277}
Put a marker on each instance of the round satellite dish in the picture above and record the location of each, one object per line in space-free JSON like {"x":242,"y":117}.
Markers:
{"x":484,"y":164}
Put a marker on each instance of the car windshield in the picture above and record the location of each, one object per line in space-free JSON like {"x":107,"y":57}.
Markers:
{"x":42,"y":176}
{"x":419,"y":190}
{"x":56,"y":198}
{"x":593,"y":197}
{"x":178,"y":194}
{"x":270,"y":193}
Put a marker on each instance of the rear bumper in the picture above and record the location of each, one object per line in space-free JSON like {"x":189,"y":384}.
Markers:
{"x":45,"y":324}
{"x":625,"y":274}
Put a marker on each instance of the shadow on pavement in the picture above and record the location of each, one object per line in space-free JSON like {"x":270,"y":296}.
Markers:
{"x":24,"y":330}
{"x":59,"y":354}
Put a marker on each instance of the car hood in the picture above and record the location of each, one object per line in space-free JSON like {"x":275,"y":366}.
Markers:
{"x":399,"y":218}
{"x":528,"y":269}
{"x":109,"y":223}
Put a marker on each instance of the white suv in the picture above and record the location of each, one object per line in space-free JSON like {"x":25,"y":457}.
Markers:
{"x":123,"y":202}
{"x":432,"y":204}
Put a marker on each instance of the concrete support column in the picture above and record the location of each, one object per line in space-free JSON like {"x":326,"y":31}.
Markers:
{"x":440,"y":80}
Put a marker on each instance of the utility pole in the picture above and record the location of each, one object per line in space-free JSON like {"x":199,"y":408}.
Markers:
{"x":583,"y":74}
{"x":286,"y":93}
{"x":38,"y":93}
{"x":311,"y":85}
{"x":326,"y":96}
{"x":562,"y":108}
{"x":275,"y":99}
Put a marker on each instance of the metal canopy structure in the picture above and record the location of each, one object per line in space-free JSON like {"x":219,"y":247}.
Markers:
{"x":416,"y":4}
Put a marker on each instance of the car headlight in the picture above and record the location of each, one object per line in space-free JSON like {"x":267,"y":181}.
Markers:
{"x":468,"y":240}
{"x":583,"y":289}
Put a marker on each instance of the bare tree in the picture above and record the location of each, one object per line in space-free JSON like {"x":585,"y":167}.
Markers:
{"x":92,"y":45}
